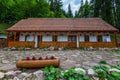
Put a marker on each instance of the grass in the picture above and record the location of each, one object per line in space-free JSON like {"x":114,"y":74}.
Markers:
{"x":3,"y":27}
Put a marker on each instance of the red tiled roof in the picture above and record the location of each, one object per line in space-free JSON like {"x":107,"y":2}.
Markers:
{"x":62,"y":24}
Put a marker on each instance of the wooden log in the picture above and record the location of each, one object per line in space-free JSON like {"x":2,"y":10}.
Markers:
{"x":37,"y":63}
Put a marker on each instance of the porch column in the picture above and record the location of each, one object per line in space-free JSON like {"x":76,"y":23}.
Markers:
{"x":35,"y":40}
{"x":97,"y":36}
{"x":14,"y":36}
{"x":78,"y":39}
{"x":40,"y":37}
{"x":115,"y":38}
{"x":54,"y":36}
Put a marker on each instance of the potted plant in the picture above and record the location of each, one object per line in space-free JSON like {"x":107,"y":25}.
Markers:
{"x":37,"y":63}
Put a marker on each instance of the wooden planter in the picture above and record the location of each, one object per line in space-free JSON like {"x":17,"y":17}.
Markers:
{"x":37,"y":63}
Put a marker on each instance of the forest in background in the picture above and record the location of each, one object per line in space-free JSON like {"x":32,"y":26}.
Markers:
{"x":11,"y":11}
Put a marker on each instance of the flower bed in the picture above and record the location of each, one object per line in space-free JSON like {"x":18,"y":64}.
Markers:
{"x":37,"y":63}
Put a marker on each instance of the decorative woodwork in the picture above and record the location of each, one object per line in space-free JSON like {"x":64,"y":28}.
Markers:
{"x":97,"y":44}
{"x":20,"y":44}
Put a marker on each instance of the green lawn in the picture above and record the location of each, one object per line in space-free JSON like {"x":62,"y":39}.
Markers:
{"x":3,"y":27}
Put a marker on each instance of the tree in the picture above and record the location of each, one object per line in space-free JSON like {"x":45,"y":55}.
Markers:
{"x":15,"y":10}
{"x":69,"y":13}
{"x":103,"y":9}
{"x":56,"y":7}
{"x":84,"y":10}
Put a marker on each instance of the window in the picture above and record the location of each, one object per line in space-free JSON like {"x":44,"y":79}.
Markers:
{"x":47,"y":38}
{"x":106,"y":38}
{"x":86,"y":38}
{"x":92,"y":38}
{"x":82,"y":38}
{"x":61,"y":38}
{"x":28,"y":38}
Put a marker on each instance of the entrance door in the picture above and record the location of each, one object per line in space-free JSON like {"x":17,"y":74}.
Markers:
{"x":72,"y":41}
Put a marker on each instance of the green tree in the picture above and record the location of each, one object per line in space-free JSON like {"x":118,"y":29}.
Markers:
{"x":84,"y":10}
{"x":56,"y":7}
{"x":15,"y":10}
{"x":103,"y":9}
{"x":69,"y":13}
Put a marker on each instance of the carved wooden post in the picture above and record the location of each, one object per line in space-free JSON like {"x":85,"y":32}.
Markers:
{"x":115,"y":38}
{"x":40,"y":36}
{"x":78,"y":39}
{"x":97,"y":36}
{"x":54,"y":36}
{"x":14,"y":36}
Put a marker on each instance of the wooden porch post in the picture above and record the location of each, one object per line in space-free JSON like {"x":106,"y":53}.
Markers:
{"x":78,"y":39}
{"x":14,"y":36}
{"x":97,"y":36}
{"x":54,"y":36}
{"x":40,"y":36}
{"x":115,"y":38}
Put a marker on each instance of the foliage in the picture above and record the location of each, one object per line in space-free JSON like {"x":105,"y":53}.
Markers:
{"x":3,"y":28}
{"x":107,"y":10}
{"x":102,"y":62}
{"x":65,"y":48}
{"x":51,"y":73}
{"x":84,"y":10}
{"x":69,"y":13}
{"x":71,"y":74}
{"x":12,"y":11}
{"x":82,"y":48}
{"x":117,"y":66}
{"x":56,"y":7}
{"x":103,"y":73}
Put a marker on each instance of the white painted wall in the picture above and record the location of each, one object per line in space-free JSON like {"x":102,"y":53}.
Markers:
{"x":106,"y":39}
{"x":46,"y":38}
{"x":92,"y":38}
{"x":21,"y":38}
{"x":62,"y":38}
{"x":82,"y":38}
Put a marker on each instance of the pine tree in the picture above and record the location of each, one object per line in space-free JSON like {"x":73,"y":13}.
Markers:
{"x":56,"y":7}
{"x":69,"y":13}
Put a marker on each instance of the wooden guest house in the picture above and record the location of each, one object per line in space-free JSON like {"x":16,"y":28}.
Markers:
{"x":61,"y":32}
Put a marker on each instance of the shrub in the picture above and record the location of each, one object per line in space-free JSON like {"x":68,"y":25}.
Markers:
{"x":65,"y":48}
{"x":102,"y":62}
{"x":82,"y":47}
